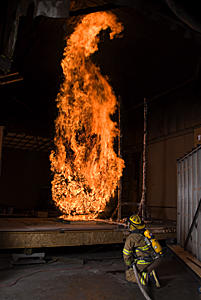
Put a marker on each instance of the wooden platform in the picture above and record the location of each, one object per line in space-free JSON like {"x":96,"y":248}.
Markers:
{"x":50,"y":232}
{"x":193,"y":263}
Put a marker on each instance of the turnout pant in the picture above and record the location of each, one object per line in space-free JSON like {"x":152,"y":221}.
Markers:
{"x":130,"y":276}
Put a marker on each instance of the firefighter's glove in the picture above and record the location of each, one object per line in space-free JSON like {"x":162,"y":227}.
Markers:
{"x":129,"y":264}
{"x":132,"y":264}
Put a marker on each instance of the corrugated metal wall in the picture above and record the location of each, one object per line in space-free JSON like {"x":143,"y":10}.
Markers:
{"x":188,"y":197}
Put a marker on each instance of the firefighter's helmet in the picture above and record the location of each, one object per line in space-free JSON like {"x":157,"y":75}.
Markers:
{"x":135,"y":222}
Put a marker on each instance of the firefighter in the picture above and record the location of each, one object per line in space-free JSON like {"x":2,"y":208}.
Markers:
{"x":139,"y":251}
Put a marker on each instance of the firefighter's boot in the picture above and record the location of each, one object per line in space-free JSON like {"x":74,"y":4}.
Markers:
{"x":144,"y":278}
{"x":154,"y":278}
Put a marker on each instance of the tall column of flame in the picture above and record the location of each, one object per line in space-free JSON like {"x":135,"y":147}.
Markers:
{"x":86,"y":168}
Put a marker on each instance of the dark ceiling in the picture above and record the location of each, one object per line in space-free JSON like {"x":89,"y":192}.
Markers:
{"x":160,"y":50}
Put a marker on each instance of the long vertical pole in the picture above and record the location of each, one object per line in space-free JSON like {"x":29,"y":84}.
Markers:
{"x":1,"y":144}
{"x":119,"y":154}
{"x":142,"y":207}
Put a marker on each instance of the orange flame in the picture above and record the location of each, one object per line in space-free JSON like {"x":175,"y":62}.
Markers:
{"x":86,"y":168}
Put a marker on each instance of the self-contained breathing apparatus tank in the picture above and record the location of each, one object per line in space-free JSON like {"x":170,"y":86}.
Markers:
{"x":151,"y":241}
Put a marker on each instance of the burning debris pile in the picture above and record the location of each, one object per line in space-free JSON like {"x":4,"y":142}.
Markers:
{"x":85,"y":166}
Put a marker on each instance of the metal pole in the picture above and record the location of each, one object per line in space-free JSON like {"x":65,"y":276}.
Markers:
{"x":193,"y":224}
{"x":1,"y":144}
{"x":119,"y":154}
{"x":141,"y":210}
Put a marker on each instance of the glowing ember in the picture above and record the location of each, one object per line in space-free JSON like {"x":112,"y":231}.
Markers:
{"x":86,"y":168}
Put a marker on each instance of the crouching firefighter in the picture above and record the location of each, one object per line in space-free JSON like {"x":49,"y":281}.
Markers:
{"x":142,"y":250}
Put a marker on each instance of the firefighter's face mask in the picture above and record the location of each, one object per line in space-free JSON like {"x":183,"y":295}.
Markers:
{"x":131,"y":227}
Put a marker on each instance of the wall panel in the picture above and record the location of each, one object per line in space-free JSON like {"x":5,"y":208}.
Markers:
{"x":162,"y":174}
{"x":188,"y":197}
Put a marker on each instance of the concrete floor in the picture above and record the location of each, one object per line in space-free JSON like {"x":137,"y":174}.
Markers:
{"x":90,"y":273}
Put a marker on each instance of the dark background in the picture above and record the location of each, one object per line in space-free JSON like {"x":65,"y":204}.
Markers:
{"x":157,"y":58}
